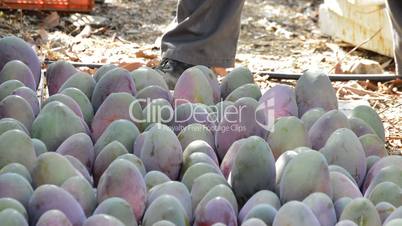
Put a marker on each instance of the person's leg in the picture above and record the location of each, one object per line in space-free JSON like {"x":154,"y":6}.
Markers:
{"x":395,"y":13}
{"x":206,"y":33}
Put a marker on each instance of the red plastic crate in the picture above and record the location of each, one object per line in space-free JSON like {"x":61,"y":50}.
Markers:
{"x":54,"y":5}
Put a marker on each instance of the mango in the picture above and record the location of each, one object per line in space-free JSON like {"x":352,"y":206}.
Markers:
{"x":343,"y":148}
{"x":373,"y":145}
{"x":197,"y":157}
{"x":295,"y":185}
{"x":118,"y":208}
{"x":83,"y":192}
{"x":342,"y":186}
{"x":253,"y":169}
{"x":18,"y":108}
{"x":146,"y":95}
{"x":392,"y":160}
{"x":57,"y":73}
{"x":7,"y":124}
{"x":396,"y":214}
{"x":253,"y":222}
{"x":13,"y":48}
{"x":194,"y":132}
{"x":15,"y":186}
{"x":145,"y":76}
{"x":80,"y":168}
{"x":370,"y":116}
{"x":371,"y":160}
{"x":108,"y":154}
{"x":291,"y":127}
{"x":162,"y":151}
{"x":193,"y":87}
{"x":362,"y":212}
{"x":236,"y":78}
{"x":158,"y":111}
{"x":8,"y":87}
{"x":102,"y":220}
{"x":165,"y":207}
{"x":53,"y":218}
{"x":39,"y":146}
{"x":262,"y":197}
{"x":386,"y":192}
{"x":18,"y":169}
{"x":197,"y":170}
{"x":190,"y":113}
{"x":82,"y":100}
{"x":222,"y":191}
{"x":360,"y":127}
{"x":122,"y":179}
{"x":394,"y":222}
{"x":213,"y":81}
{"x":68,"y":101}
{"x":202,"y":186}
{"x":264,"y":212}
{"x":346,"y":223}
{"x":153,"y":178}
{"x":281,"y":164}
{"x":116,"y":106}
{"x":387,"y":174}
{"x":221,"y":108}
{"x":301,"y":214}
{"x":102,"y":71}
{"x":175,"y":189}
{"x":52,"y":168}
{"x":199,"y":146}
{"x":47,"y":126}
{"x":322,"y":207}
{"x":134,"y":160}
{"x":340,"y":169}
{"x":114,"y":81}
{"x":307,"y":87}
{"x":163,"y":223}
{"x":10,"y":203}
{"x":217,"y":210}
{"x":81,"y":81}
{"x":311,"y":116}
{"x":11,"y":217}
{"x":30,"y":96}
{"x":79,"y":146}
{"x":247,"y":90}
{"x":340,"y":205}
{"x":17,"y":70}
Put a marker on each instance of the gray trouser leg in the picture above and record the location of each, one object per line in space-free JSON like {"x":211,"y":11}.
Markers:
{"x":206,"y":33}
{"x":395,"y":12}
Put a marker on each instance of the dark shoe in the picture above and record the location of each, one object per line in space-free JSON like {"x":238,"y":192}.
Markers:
{"x":171,"y":70}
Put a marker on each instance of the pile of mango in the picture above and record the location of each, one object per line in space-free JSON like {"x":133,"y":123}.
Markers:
{"x":118,"y":148}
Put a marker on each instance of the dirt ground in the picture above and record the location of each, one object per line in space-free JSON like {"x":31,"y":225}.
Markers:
{"x":276,"y":35}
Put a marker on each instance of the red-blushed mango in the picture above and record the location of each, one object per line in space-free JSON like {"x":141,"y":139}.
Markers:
{"x":213,"y":81}
{"x":83,"y":192}
{"x":392,"y":160}
{"x":362,"y":212}
{"x":387,"y":174}
{"x":158,"y":111}
{"x":277,"y":102}
{"x":384,"y":209}
{"x":264,"y":212}
{"x":10,"y":203}
{"x":197,"y":170}
{"x":175,"y":189}
{"x":190,"y":113}
{"x":123,"y":179}
{"x":134,"y":160}
{"x":57,"y":73}
{"x":322,"y":207}
{"x":308,"y":86}
{"x":80,"y":168}
{"x":373,"y":145}
{"x":82,"y":100}
{"x":118,"y":208}
{"x":194,"y":158}
{"x":17,"y":147}
{"x":360,"y":127}
{"x":153,"y":178}
{"x":52,"y":168}
{"x":11,"y":217}
{"x":236,"y":78}
{"x":8,"y":87}
{"x":301,"y":215}
{"x":102,"y":220}
{"x":162,"y":151}
{"x":121,"y":130}
{"x":370,"y":116}
{"x":30,"y":96}
{"x":145,"y":77}
{"x":230,"y":156}
{"x":193,"y":87}
{"x":102,"y":71}
{"x":311,"y":116}
{"x":68,"y":101}
{"x":79,"y":146}
{"x":323,"y":128}
{"x":194,"y":132}
{"x":262,"y":197}
{"x":294,"y":184}
{"x":165,"y":207}
{"x":217,"y":210}
{"x":342,"y":186}
{"x":7,"y":124}
{"x":17,"y":70}
{"x":39,"y":146}
{"x":53,"y":218}
{"x":17,"y":168}
{"x":246,"y":90}
{"x":203,"y":184}
{"x":344,"y":149}
{"x":108,"y":154}
{"x":13,"y":48}
{"x":386,"y":192}
{"x":114,"y":81}
{"x":48,"y":126}
{"x":146,"y":95}
{"x":199,"y":146}
{"x":15,"y":186}
{"x":81,"y":81}
{"x":116,"y":106}
{"x":222,"y":191}
{"x":17,"y":108}
{"x":287,"y":127}
{"x":340,"y":205}
{"x":253,"y":169}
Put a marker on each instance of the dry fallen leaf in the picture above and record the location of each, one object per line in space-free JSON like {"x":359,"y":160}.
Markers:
{"x":131,"y":66}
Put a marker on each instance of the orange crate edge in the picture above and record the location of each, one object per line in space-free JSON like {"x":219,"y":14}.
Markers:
{"x":49,"y":5}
